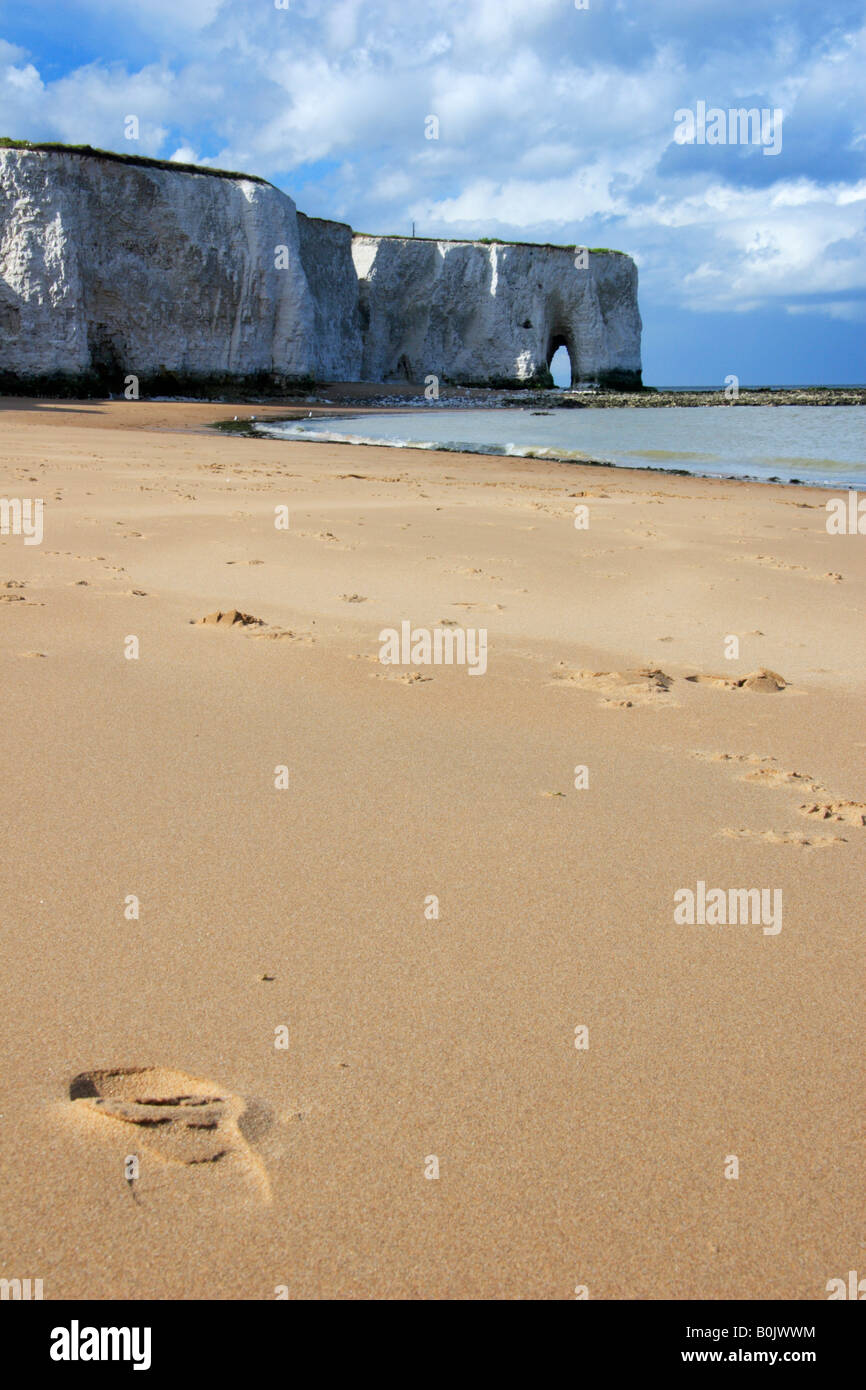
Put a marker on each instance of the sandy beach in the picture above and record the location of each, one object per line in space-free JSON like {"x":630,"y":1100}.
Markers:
{"x":169,"y":904}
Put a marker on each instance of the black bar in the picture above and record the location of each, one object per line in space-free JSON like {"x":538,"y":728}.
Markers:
{"x":611,"y":1337}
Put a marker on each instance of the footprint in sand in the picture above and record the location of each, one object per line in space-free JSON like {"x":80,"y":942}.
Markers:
{"x":284,"y":634}
{"x":845,"y":812}
{"x":180,"y":1119}
{"x":485,"y":608}
{"x":400,"y":678}
{"x":231,"y":618}
{"x":327,"y":536}
{"x":764,"y":771}
{"x":763,"y":681}
{"x":774,"y":563}
{"x":786,"y":837}
{"x":776,"y":777}
{"x":621,"y":689}
{"x":474,"y":573}
{"x":234,"y":618}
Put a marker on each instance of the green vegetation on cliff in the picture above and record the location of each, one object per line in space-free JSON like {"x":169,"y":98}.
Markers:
{"x":52,"y":147}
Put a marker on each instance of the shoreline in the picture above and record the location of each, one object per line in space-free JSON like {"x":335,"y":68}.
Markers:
{"x":533,"y":454}
{"x":251,"y":428}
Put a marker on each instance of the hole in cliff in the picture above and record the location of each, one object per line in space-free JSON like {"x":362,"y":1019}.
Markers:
{"x":402,"y":371}
{"x":560,"y":366}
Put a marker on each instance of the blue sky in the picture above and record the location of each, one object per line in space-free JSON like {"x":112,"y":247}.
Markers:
{"x":555,"y":124}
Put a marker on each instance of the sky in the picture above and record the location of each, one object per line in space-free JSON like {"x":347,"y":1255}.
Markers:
{"x":552,"y":123}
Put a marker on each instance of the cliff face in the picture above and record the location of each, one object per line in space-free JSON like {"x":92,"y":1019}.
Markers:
{"x":475,"y":313}
{"x":121,"y":268}
{"x":134,"y":269}
{"x":326,"y":256}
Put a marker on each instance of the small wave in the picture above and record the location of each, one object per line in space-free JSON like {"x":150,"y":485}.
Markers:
{"x":449,"y":446}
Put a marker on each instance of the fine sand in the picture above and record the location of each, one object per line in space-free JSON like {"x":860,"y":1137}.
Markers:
{"x":170,"y":913}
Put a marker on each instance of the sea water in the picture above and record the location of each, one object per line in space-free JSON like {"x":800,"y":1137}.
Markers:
{"x":821,"y":445}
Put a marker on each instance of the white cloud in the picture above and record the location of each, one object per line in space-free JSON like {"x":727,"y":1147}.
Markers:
{"x":848,"y":310}
{"x":10,"y":53}
{"x":553,"y":123}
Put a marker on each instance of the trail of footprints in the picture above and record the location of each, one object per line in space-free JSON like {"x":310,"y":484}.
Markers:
{"x":820,"y":806}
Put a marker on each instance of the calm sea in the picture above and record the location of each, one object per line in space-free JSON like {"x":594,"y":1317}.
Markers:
{"x":821,"y":445}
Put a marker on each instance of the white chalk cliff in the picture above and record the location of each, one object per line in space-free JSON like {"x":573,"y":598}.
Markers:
{"x":111,"y":267}
{"x":473,"y":312}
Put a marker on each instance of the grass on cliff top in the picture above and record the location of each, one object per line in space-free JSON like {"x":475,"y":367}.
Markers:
{"x":498,"y":241}
{"x":550,"y":245}
{"x":52,"y":147}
